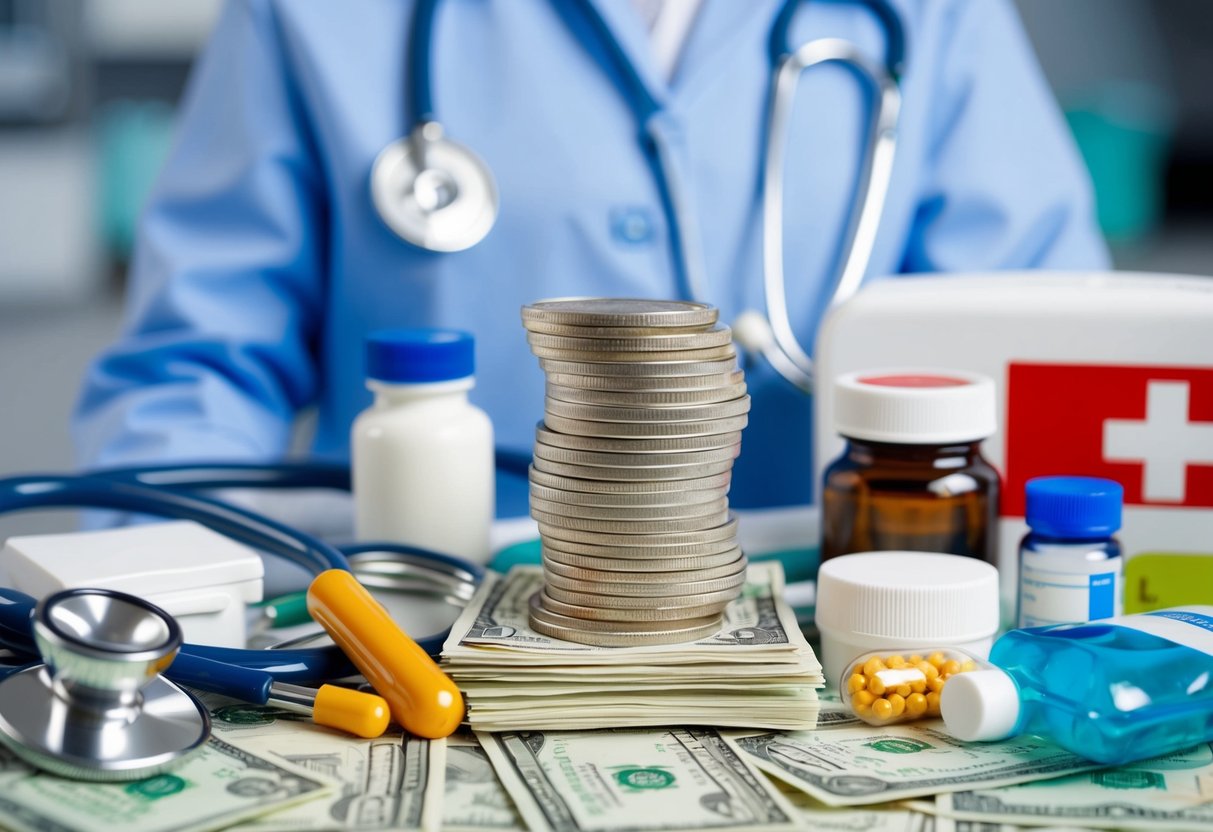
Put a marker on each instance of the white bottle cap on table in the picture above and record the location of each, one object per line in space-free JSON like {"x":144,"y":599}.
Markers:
{"x":980,"y":705}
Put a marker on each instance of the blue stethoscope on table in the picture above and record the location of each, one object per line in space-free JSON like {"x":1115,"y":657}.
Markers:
{"x":439,"y":195}
{"x":103,"y":651}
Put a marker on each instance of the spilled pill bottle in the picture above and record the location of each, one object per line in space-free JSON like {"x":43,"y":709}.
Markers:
{"x":912,"y":476}
{"x":910,"y":603}
{"x":886,"y":687}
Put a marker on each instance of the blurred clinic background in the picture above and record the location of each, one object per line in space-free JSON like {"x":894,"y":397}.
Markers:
{"x":87,"y":96}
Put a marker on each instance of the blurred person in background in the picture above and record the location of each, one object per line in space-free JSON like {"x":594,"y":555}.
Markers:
{"x":262,"y":263}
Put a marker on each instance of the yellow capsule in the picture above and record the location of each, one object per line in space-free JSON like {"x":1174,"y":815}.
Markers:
{"x":882,"y":709}
{"x":918,"y":686}
{"x":361,"y":714}
{"x":873,"y":666}
{"x":898,"y":702}
{"x":857,"y":670}
{"x":915,"y":659}
{"x":876,"y":685}
{"x":903,"y":690}
{"x":896,"y":662}
{"x":861,"y":702}
{"x":968,"y":665}
{"x":949,"y":667}
{"x":856,"y":682}
{"x":928,"y":670}
{"x":933,"y":703}
{"x":936,"y":659}
{"x":916,"y":705}
{"x":936,"y":684}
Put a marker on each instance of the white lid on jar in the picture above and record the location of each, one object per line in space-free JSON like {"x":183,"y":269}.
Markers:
{"x":915,"y":406}
{"x":980,"y":706}
{"x":920,"y":597}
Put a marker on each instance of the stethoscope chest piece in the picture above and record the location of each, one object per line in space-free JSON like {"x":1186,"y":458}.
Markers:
{"x":433,"y":192}
{"x":99,"y":708}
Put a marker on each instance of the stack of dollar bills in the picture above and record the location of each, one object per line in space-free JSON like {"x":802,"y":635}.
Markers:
{"x":757,"y":671}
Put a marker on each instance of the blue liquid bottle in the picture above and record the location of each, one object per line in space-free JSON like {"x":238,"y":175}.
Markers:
{"x":1113,"y":691}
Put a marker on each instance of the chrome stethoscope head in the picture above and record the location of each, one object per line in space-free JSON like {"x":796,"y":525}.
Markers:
{"x":98,"y":709}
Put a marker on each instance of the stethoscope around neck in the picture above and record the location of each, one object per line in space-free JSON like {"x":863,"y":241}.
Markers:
{"x":440,"y":196}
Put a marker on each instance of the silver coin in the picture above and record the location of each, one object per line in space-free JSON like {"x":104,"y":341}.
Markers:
{"x":718,"y":336}
{"x":646,"y":588}
{"x":725,"y":531}
{"x":638,"y":638}
{"x":641,"y":564}
{"x":614,"y":460}
{"x":684,"y":499}
{"x":539,"y":609}
{"x":639,"y":602}
{"x":622,"y":356}
{"x":648,"y":384}
{"x":631,"y":527}
{"x":643,"y":398}
{"x":627,"y":513}
{"x":620,"y":547}
{"x":599,"y":444}
{"x":677,"y":576}
{"x":547,"y":480}
{"x":640,"y":369}
{"x":686,"y":413}
{"x":619,"y":312}
{"x":576,"y":331}
{"x":673,"y":613}
{"x":643,"y":430}
{"x":625,"y":474}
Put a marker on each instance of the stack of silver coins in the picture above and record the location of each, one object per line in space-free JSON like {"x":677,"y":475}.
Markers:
{"x":643,"y":416}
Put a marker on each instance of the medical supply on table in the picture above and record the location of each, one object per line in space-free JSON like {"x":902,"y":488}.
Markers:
{"x":1071,"y":399}
{"x":884,"y":687}
{"x":422,"y":454}
{"x":903,"y":601}
{"x":200,"y":577}
{"x":642,"y":422}
{"x":1114,"y":691}
{"x":1070,"y":568}
{"x":912,"y":475}
{"x":437,"y":194}
{"x":371,"y":641}
{"x":98,"y":709}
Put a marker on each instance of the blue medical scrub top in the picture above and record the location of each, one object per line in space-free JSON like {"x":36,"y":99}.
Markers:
{"x":261,"y":263}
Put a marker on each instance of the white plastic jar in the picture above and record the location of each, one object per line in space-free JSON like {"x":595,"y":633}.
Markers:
{"x":422,"y":454}
{"x":904,"y":601}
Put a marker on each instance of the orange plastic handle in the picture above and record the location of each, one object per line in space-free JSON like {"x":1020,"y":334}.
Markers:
{"x":423,"y":699}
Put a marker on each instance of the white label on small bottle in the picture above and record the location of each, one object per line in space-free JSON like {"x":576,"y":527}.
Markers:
{"x":1189,"y":626}
{"x":1047,"y":598}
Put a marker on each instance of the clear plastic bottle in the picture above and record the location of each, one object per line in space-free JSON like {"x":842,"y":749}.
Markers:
{"x":1113,"y":691}
{"x":422,"y":454}
{"x":1070,"y":565}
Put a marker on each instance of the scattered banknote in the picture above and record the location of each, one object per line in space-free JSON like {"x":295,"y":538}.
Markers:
{"x":861,"y":765}
{"x":475,"y":800}
{"x":814,"y":814}
{"x":1174,"y":792}
{"x":756,"y":672}
{"x":392,"y":782}
{"x":601,"y":781}
{"x":214,"y":789}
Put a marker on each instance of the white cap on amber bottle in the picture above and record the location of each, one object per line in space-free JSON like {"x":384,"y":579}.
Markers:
{"x":981,"y":705}
{"x":915,"y":406}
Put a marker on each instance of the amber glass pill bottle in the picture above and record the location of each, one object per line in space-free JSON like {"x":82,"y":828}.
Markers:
{"x":912,"y":477}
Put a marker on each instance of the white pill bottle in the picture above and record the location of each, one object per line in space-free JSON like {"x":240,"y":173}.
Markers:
{"x":422,"y":454}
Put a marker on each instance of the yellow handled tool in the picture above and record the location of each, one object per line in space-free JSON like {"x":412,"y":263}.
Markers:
{"x":423,"y":699}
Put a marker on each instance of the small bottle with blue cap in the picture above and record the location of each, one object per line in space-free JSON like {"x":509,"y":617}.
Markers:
{"x":1070,"y":564}
{"x":422,"y":453}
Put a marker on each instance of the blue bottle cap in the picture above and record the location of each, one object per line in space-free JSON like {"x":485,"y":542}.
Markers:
{"x":1082,"y":507}
{"x":419,"y":356}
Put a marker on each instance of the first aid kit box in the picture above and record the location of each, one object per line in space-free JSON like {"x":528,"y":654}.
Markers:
{"x":198,"y":576}
{"x":1097,"y":374}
